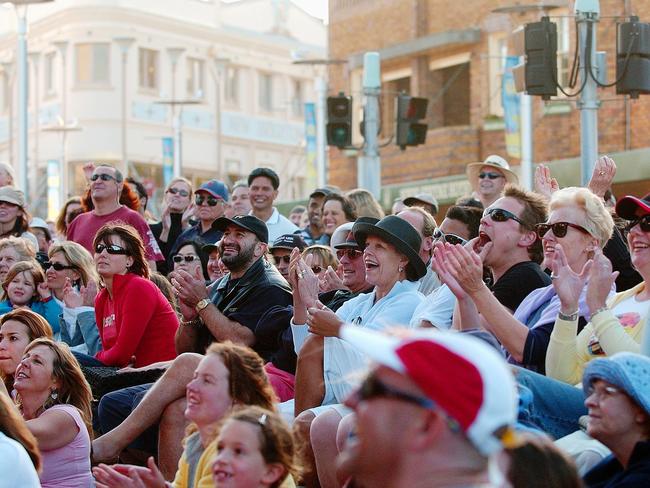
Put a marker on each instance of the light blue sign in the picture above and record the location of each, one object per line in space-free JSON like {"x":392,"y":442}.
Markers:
{"x":168,"y":159}
{"x":261,"y":129}
{"x":511,"y":111}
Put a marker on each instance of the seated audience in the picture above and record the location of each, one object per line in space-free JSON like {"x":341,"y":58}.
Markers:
{"x":337,"y":210}
{"x":215,"y":266}
{"x":191,"y":258}
{"x":71,"y":208}
{"x":20,"y":459}
{"x":12,"y":250}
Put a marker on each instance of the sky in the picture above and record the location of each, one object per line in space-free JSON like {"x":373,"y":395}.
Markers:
{"x":317,"y":8}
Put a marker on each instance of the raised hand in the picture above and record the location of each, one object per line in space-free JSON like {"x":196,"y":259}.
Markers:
{"x":187,"y":215}
{"x":88,"y":169}
{"x":308,"y":285}
{"x":71,"y":297}
{"x":544,"y":183}
{"x":322,"y":321}
{"x":602,"y":176}
{"x":567,"y":283}
{"x":601,"y":280}
{"x":331,"y":281}
{"x":439,"y":264}
{"x":466,"y":265}
{"x":44,"y":291}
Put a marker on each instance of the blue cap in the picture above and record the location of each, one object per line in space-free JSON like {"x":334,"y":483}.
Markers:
{"x":216,"y":188}
{"x":625,"y":370}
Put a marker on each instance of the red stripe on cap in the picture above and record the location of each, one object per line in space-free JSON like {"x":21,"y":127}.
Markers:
{"x":450,"y":380}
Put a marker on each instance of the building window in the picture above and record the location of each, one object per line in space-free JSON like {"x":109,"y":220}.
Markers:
{"x":93,"y":63}
{"x":450,"y":105}
{"x":497,"y":53}
{"x":50,"y":74}
{"x":266,"y":92}
{"x":148,"y":67}
{"x":298,"y":99}
{"x":195,"y":78}
{"x":231,"y":88}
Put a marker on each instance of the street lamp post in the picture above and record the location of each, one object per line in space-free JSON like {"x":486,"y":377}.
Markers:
{"x":7,"y":69}
{"x":221,"y":65}
{"x":124,"y":44}
{"x":35,"y":58}
{"x":177,"y":128}
{"x":21,"y":59}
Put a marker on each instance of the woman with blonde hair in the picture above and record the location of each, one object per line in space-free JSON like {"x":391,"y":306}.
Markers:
{"x":12,"y":250}
{"x":55,"y":400}
{"x":365,"y":203}
{"x":17,"y":329}
{"x":20,"y":459}
{"x":322,"y":258}
{"x":25,"y":286}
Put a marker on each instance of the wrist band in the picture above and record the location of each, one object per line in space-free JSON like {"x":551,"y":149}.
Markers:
{"x":601,"y":309}
{"x":568,"y":317}
{"x":195,"y":322}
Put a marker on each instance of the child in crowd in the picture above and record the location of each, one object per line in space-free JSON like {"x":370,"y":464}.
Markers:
{"x":254,"y":449}
{"x":25,"y":286}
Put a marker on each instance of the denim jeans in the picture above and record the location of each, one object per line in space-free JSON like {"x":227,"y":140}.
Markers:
{"x":115,"y":406}
{"x":549,"y":405}
{"x":86,"y":360}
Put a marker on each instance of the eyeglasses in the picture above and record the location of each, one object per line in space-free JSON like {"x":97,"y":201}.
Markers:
{"x":279,"y":259}
{"x":559,"y":229}
{"x":183,"y":193}
{"x":372,"y":387}
{"x":490,"y":176}
{"x":643,"y":222}
{"x":212,"y":201}
{"x":500,"y":215}
{"x":449,"y":238}
{"x":316,"y":269}
{"x":57,"y":266}
{"x":188,"y":258}
{"x":110,"y":249}
{"x":350,"y":253}
{"x":103,"y":177}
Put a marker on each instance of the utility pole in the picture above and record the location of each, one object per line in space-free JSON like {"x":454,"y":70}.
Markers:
{"x":587,"y":14}
{"x":369,"y":165}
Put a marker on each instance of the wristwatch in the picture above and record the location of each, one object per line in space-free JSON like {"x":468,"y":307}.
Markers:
{"x":202,"y":304}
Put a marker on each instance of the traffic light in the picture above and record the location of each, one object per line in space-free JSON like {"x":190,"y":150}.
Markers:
{"x":633,"y":58}
{"x":339,"y":121}
{"x":409,"y":111}
{"x":537,"y":75}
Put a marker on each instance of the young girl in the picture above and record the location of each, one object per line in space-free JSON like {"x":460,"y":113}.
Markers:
{"x":25,"y":286}
{"x":255,"y":448}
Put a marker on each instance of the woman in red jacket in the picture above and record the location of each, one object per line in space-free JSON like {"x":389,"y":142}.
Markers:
{"x":134,"y":318}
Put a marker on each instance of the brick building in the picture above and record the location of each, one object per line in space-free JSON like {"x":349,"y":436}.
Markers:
{"x":453,"y":53}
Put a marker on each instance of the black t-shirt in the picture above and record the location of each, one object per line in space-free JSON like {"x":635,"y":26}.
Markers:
{"x":518,"y":282}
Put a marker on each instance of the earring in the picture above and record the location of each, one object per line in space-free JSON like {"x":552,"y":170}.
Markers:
{"x":400,"y":268}
{"x":54,"y":395}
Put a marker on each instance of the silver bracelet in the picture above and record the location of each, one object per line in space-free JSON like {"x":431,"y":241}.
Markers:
{"x":570,"y":317}
{"x":601,"y":309}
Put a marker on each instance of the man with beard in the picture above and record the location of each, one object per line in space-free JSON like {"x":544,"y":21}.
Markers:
{"x":248,"y":306}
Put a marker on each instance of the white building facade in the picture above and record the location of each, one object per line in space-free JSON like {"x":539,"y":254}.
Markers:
{"x":99,"y":70}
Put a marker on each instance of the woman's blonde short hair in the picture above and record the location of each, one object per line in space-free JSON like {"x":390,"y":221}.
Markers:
{"x":79,"y":257}
{"x":598,"y":221}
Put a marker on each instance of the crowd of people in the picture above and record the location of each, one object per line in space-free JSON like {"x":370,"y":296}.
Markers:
{"x":344,"y":344}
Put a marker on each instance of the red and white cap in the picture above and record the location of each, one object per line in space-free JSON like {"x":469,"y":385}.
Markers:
{"x":462,"y":375}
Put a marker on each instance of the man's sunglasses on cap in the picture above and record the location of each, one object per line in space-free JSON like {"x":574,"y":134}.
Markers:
{"x":212,"y":201}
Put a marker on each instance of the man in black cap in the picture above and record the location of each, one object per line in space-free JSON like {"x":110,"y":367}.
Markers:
{"x":263,"y":184}
{"x":281,"y":251}
{"x":248,"y":306}
{"x":313,"y":233}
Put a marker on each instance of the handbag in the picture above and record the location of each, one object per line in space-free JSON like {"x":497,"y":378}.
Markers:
{"x":105,"y":379}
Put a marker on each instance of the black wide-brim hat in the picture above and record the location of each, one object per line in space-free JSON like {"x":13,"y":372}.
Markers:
{"x":397,"y":232}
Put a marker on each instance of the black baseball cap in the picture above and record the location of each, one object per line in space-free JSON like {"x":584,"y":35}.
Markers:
{"x":289,"y":241}
{"x":247,"y":222}
{"x":268,"y":173}
{"x":320,"y":192}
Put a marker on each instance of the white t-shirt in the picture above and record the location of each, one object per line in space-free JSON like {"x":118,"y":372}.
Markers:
{"x":16,"y":466}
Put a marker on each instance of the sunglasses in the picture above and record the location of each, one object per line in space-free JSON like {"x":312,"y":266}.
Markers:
{"x":350,"y":253}
{"x":183,"y":193}
{"x":375,"y":388}
{"x":449,"y":238}
{"x":187,"y":258}
{"x":103,"y":177}
{"x":559,"y":229}
{"x":500,"y":215}
{"x":643,"y":223}
{"x":57,"y":266}
{"x":212,"y":201}
{"x":110,"y":249}
{"x":279,"y":259}
{"x":490,"y":176}
{"x":316,"y":269}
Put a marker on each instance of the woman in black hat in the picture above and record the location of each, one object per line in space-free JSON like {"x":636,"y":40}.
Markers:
{"x":393,"y":267}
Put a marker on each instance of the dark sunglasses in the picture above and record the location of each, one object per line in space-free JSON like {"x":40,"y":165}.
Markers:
{"x":103,"y":177}
{"x":374,"y":388}
{"x":449,"y":238}
{"x":279,"y":259}
{"x":57,"y":266}
{"x":643,"y":223}
{"x":559,"y":229}
{"x":212,"y":201}
{"x":500,"y":215}
{"x":490,"y":176}
{"x":183,"y":193}
{"x":110,"y":249}
{"x":188,"y":258}
{"x":316,"y":269}
{"x":350,"y":253}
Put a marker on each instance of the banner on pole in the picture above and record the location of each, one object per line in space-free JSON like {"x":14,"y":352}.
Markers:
{"x":511,"y":108}
{"x":168,"y":159}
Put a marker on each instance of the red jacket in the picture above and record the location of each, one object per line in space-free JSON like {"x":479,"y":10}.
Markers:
{"x":143,"y":323}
